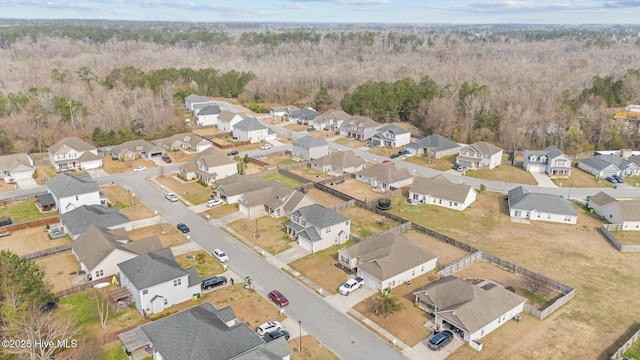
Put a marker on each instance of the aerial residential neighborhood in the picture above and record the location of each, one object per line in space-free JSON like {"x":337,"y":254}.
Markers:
{"x":149,"y":244}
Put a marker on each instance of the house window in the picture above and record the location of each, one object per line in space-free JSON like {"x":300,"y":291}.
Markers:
{"x":99,"y":273}
{"x":177,"y":282}
{"x":346,"y":223}
{"x":415,"y":196}
{"x":567,"y":218}
{"x":548,"y":216}
{"x":328,"y":230}
{"x":304,"y":223}
{"x":166,"y":301}
{"x":344,"y":259}
{"x":413,"y":272}
{"x":610,"y":216}
{"x":450,"y":203}
{"x":455,"y":204}
{"x":145,"y":292}
{"x":517,"y":213}
{"x":295,"y":218}
{"x":440,"y":201}
{"x":77,"y":198}
{"x":422,"y":268}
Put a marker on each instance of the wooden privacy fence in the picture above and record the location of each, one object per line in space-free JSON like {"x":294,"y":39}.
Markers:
{"x":618,"y":354}
{"x":344,"y":205}
{"x":294,"y":176}
{"x":614,"y":241}
{"x":85,"y":286}
{"x":20,"y":198}
{"x":47,"y":252}
{"x":31,"y":224}
{"x":461,"y":263}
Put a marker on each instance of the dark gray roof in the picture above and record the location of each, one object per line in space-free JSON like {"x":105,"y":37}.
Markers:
{"x":45,"y":199}
{"x":440,"y":187}
{"x":340,"y":159}
{"x":596,"y":163}
{"x":151,"y":269}
{"x":14,"y":161}
{"x":320,"y":216}
{"x":202,"y":333}
{"x":394,"y":129}
{"x":522,"y":199}
{"x":96,"y":243}
{"x":306,"y":113}
{"x":194,"y":278}
{"x":78,"y":220}
{"x":210,"y":110}
{"x":196,"y":98}
{"x":66,"y":185}
{"x":309,"y":142}
{"x":435,"y":141}
{"x":249,"y":124}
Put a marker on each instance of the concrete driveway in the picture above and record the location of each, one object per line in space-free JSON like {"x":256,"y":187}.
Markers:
{"x":543,"y":180}
{"x":29,"y":183}
{"x":343,"y":303}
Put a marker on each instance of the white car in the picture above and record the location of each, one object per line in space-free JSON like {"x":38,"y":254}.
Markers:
{"x":265,"y":147}
{"x":220,"y":255}
{"x":268,"y":327}
{"x":140,"y":168}
{"x":214,"y":202}
{"x":171,"y":197}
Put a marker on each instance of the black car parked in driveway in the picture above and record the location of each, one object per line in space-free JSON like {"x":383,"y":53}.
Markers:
{"x":232,"y":153}
{"x":213,"y":281}
{"x":184,"y":228}
{"x":276,"y":335}
{"x":440,"y":340}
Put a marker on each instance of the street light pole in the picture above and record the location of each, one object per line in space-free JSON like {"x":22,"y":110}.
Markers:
{"x":300,"y":326}
{"x":257,"y":232}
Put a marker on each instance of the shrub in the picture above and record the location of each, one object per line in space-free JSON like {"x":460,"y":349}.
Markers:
{"x":35,"y":174}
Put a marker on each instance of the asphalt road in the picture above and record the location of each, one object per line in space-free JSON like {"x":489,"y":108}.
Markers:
{"x":337,"y":331}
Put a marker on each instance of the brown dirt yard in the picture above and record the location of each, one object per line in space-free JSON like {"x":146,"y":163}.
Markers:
{"x":220,"y":211}
{"x":446,"y":253}
{"x":356,"y":189}
{"x":115,"y":166}
{"x":581,"y":179}
{"x":318,"y":267}
{"x":365,"y":223}
{"x":30,"y":240}
{"x":119,"y":197}
{"x":169,"y":235}
{"x":311,"y":174}
{"x":57,"y":269}
{"x":576,"y":255}
{"x":506,"y":173}
{"x":323,"y":198}
{"x":191,"y":191}
{"x":272,"y":238}
{"x":281,"y":160}
{"x":207,"y":268}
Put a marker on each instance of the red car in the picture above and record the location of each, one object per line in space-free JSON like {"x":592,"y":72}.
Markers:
{"x":166,"y":159}
{"x":277,"y":297}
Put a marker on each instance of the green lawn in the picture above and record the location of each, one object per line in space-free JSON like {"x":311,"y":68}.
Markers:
{"x":24,"y":211}
{"x":634,"y":351}
{"x":209,"y":267}
{"x":284,"y":180}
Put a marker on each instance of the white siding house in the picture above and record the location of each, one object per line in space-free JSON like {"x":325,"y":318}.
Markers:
{"x":525,"y":205}
{"x":227,"y":119}
{"x":70,"y":192}
{"x":250,"y":129}
{"x":480,"y":155}
{"x":391,"y":136}
{"x":623,"y":212}
{"x":16,"y":167}
{"x":309,"y":148}
{"x":382,"y":177}
{"x":316,"y":228}
{"x":74,"y":154}
{"x":439,"y":191}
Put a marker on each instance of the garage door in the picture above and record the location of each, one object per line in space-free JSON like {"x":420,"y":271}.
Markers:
{"x":536,"y":168}
{"x":369,"y":280}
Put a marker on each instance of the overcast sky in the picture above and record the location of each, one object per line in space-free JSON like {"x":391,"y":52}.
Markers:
{"x":342,"y":11}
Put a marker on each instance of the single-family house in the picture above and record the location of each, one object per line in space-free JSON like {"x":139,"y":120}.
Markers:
{"x":359,"y":127}
{"x":315,"y":227}
{"x":282,"y":110}
{"x":78,"y":220}
{"x":208,"y":115}
{"x":156,"y":281}
{"x":439,"y":191}
{"x":339,"y":163}
{"x":480,"y":155}
{"x":623,"y":212}
{"x":309,"y":147}
{"x":250,"y":129}
{"x":99,"y":250}
{"x":474,"y":310}
{"x":194,"y":99}
{"x":385,"y":176}
{"x":435,"y":146}
{"x":304,"y":116}
{"x":607,"y":165}
{"x":271,"y":198}
{"x":227,"y":119}
{"x":135,"y":149}
{"x":74,"y":154}
{"x":524,"y":204}
{"x":185,"y":141}
{"x":208,"y":166}
{"x":387,"y":260}
{"x":330,"y":120}
{"x":70,"y":191}
{"x":550,"y":161}
{"x":230,"y":189}
{"x":201,"y":332}
{"x":16,"y":167}
{"x":391,"y":136}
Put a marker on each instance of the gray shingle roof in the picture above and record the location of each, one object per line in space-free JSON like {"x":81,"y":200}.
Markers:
{"x":320,"y":216}
{"x":212,"y":158}
{"x":78,"y":220}
{"x":523,"y":199}
{"x":386,"y":173}
{"x":485,"y":148}
{"x":602,"y":199}
{"x":360,"y":121}
{"x":65,"y":185}
{"x":601,"y":162}
{"x":96,"y":243}
{"x":152,"y":268}
{"x":335,"y":115}
{"x":210,"y":110}
{"x":310,"y":142}
{"x":202,"y":333}
{"x":192,"y":139}
{"x":443,"y":189}
{"x":435,"y":141}
{"x":134,"y":146}
{"x":387,"y":255}
{"x":228,"y":115}
{"x":394,"y":129}
{"x":340,"y":159}
{"x":196,"y":98}
{"x":469,"y":306}
{"x":13,"y":161}
{"x":249,"y":124}
{"x":306,"y":114}
{"x":73,"y":142}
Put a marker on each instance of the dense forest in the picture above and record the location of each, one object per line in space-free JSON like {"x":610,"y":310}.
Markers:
{"x":517,"y":86}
